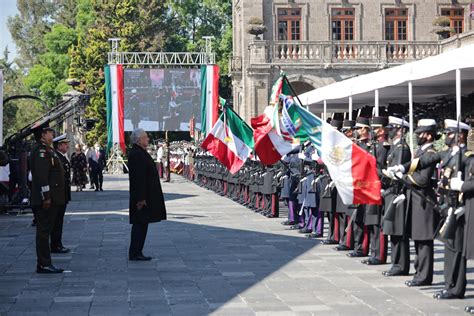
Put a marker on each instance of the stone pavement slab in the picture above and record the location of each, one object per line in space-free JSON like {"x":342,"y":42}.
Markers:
{"x":212,"y":256}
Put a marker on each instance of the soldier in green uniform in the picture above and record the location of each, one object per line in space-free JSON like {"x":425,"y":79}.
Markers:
{"x":47,"y":193}
{"x":61,"y":145}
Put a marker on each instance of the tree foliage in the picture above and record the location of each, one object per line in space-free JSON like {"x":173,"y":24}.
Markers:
{"x":70,"y":39}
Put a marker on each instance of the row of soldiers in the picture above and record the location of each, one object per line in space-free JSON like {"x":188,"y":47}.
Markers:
{"x":254,"y":185}
{"x":426,"y":196}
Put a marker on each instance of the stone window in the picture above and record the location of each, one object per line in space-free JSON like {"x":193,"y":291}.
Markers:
{"x":456,"y":16}
{"x":342,"y":24}
{"x":289,"y":24}
{"x":396,"y":21}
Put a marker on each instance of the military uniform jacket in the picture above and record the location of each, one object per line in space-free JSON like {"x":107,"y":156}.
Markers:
{"x":267,"y":187}
{"x":468,"y":195}
{"x":422,"y":219}
{"x":311,"y":191}
{"x":374,"y":212}
{"x":398,"y":153}
{"x":327,"y":196}
{"x":67,"y":175}
{"x":48,"y":176}
{"x":449,"y":165}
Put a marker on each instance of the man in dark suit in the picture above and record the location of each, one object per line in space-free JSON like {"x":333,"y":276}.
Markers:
{"x":97,"y":162}
{"x":61,"y":145}
{"x":147,"y":204}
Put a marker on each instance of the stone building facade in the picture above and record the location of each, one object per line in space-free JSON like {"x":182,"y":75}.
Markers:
{"x":318,"y":42}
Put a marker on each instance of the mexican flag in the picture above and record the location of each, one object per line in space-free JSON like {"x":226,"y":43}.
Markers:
{"x":209,"y":97}
{"x":272,"y":140}
{"x":279,"y":87}
{"x":230,"y":140}
{"x":114,"y":101}
{"x":352,"y":169}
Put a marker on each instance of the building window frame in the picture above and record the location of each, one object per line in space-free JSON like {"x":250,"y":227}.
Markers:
{"x":411,"y":36}
{"x":292,"y":20}
{"x":347,"y":21}
{"x":303,"y":24}
{"x":454,"y":18}
{"x":400,"y":18}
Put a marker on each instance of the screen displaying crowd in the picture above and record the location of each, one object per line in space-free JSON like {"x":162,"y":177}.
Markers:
{"x":162,"y":99}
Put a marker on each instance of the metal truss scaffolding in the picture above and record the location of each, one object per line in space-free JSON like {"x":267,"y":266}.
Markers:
{"x":162,"y":58}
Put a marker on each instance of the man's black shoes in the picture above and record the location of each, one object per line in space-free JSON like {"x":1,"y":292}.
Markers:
{"x":48,"y":269}
{"x":140,"y":258}
{"x":60,"y":250}
{"x":445,"y":295}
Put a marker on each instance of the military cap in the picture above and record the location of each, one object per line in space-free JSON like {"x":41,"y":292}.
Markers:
{"x":348,"y":124}
{"x":426,"y":125}
{"x":337,"y":124}
{"x":379,"y":121}
{"x":40,"y":127}
{"x":61,"y":139}
{"x":452,"y":126}
{"x":394,"y":121}
{"x":362,"y":122}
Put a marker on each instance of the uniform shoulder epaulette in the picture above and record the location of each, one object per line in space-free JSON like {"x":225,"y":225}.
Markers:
{"x":469,"y":153}
{"x":431,"y":150}
{"x":386,"y":144}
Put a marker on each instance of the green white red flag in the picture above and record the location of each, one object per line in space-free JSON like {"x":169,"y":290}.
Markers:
{"x":230,"y":140}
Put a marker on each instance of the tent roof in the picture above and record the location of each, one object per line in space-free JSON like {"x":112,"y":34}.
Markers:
{"x":431,"y":77}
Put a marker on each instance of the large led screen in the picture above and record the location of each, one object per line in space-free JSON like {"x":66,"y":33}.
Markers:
{"x":162,"y":99}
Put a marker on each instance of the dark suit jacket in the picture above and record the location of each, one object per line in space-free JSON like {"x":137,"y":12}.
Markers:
{"x":144,"y":185}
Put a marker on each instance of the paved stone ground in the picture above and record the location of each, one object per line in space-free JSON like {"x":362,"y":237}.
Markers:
{"x":212,"y":256}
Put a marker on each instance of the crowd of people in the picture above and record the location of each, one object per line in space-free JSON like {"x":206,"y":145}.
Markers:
{"x":426,"y":196}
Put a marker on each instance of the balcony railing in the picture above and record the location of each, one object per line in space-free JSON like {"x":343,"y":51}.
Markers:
{"x":341,"y":52}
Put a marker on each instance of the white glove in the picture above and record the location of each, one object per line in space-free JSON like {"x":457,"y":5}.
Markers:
{"x":301,"y":156}
{"x":315,"y":156}
{"x":395,"y":169}
{"x":454,"y":150}
{"x":399,"y":175}
{"x":332,"y":184}
{"x":459,"y":211}
{"x":388,"y":174}
{"x":456,"y":183}
{"x":399,"y":199}
{"x":450,"y":211}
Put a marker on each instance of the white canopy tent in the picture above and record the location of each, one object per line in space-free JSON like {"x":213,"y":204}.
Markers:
{"x":450,"y":73}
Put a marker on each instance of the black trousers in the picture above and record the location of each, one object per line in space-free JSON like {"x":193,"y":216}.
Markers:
{"x":137,"y":240}
{"x":358,"y":231}
{"x":378,"y":243}
{"x":342,"y":218}
{"x":400,"y":254}
{"x":332,"y":220}
{"x":45,"y":221}
{"x":424,"y":261}
{"x":454,"y":272}
{"x":57,"y":229}
{"x":98,"y":178}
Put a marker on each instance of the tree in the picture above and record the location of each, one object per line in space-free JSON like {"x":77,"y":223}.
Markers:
{"x":139,"y":24}
{"x":27,"y":28}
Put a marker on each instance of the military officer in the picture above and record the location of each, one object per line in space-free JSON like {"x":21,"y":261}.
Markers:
{"x":451,"y":163}
{"x":61,"y":145}
{"x":422,"y":219}
{"x":394,"y":219}
{"x":466,"y":187}
{"x":358,"y":217}
{"x":346,"y":241}
{"x":373,"y":216}
{"x":328,"y":202}
{"x":47,"y":193}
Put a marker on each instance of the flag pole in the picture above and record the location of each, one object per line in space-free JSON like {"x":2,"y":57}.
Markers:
{"x":293,"y":91}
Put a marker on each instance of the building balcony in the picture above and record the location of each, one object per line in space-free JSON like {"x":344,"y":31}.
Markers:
{"x":339,"y":54}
